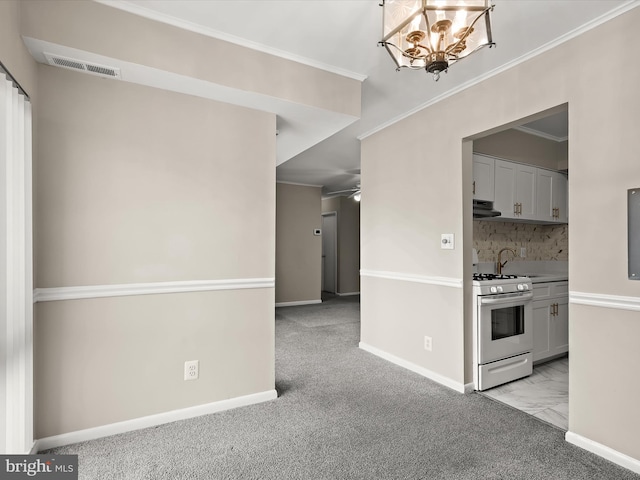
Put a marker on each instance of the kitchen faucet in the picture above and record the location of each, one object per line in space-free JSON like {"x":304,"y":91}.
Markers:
{"x":500,"y":264}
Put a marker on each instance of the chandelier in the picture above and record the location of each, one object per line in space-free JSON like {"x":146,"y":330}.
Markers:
{"x":434,"y":34}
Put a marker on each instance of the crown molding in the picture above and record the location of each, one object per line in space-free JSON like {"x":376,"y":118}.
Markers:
{"x":538,"y":133}
{"x":298,"y":184}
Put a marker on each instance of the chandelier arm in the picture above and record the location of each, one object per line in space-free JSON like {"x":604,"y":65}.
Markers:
{"x":404,"y":53}
{"x":427,"y":48}
{"x":468,"y":32}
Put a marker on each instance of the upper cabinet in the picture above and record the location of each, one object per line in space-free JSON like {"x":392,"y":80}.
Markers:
{"x":551,"y":200}
{"x":483,"y":177}
{"x":523,"y":192}
{"x":515,"y":190}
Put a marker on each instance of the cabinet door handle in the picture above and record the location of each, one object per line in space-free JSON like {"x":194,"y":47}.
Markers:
{"x":517,"y":208}
{"x":474,"y":187}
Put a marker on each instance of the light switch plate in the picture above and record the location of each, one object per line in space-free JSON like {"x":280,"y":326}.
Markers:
{"x":446,"y":241}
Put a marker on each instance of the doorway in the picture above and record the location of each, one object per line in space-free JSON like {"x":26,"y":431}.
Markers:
{"x":329,"y":252}
{"x":535,"y":150}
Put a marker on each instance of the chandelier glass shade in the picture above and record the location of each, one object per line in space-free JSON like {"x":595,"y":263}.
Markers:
{"x":434,"y":34}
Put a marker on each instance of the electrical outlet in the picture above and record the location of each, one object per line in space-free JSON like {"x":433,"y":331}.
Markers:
{"x":523,"y":252}
{"x":427,"y":343}
{"x":191,"y":370}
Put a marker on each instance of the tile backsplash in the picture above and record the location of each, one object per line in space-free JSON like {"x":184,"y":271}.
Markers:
{"x":543,"y":242}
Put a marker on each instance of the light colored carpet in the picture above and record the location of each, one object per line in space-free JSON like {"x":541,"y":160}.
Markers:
{"x":343,"y":413}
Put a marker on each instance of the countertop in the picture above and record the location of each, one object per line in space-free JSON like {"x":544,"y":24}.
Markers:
{"x":547,"y":277}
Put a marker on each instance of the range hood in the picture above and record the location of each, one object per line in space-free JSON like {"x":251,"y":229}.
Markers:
{"x":484,"y":209}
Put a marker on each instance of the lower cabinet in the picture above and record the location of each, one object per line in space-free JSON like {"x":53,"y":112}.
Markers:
{"x":550,"y":320}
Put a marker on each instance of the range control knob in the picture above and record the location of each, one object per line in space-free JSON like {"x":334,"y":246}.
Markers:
{"x":494,"y":289}
{"x":500,"y":289}
{"x":523,"y":286}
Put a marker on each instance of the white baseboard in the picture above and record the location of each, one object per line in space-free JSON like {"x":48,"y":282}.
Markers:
{"x":301,"y":302}
{"x":152,"y":420}
{"x":604,"y":451}
{"x":436,"y":377}
{"x":348,"y":294}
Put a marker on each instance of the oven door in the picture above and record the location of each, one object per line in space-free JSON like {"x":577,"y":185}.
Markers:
{"x":505,"y":326}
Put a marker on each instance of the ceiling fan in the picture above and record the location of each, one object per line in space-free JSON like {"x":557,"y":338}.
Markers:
{"x":354,"y":192}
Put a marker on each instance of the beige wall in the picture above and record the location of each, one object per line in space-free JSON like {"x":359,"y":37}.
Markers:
{"x":298,"y":250}
{"x":141,"y":185}
{"x":348,"y":212}
{"x":13,"y":53}
{"x":102,"y":361}
{"x":525,"y":148}
{"x":403,"y":217}
{"x":602,"y":385}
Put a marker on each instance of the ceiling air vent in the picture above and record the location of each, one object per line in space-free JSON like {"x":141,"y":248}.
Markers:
{"x":75,"y":64}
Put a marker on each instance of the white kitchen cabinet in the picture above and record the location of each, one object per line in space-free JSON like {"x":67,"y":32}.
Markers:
{"x":550,"y":320}
{"x":559,"y":328}
{"x":560,"y":197}
{"x":515,"y":190}
{"x":525,"y":193}
{"x":541,"y":329}
{"x":483,"y":177}
{"x":505,"y":189}
{"x":551,"y":196}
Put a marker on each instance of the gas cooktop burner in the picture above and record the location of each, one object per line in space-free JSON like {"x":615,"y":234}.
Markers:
{"x":492,"y":276}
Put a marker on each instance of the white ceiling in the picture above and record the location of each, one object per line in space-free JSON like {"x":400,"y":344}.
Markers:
{"x":342,"y":35}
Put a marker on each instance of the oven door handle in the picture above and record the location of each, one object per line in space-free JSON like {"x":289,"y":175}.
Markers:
{"x":508,"y":298}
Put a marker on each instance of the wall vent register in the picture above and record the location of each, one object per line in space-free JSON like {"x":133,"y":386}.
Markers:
{"x":80,"y":65}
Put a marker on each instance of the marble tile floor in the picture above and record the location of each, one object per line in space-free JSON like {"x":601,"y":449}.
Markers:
{"x":544,"y":394}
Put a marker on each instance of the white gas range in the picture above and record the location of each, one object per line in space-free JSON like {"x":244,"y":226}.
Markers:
{"x":502,"y":329}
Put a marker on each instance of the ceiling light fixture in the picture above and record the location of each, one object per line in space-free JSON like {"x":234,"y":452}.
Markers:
{"x":434,"y":34}
{"x":354,"y":192}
